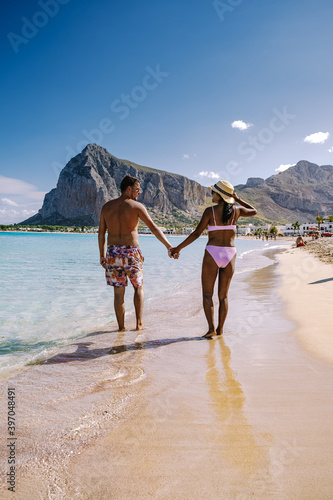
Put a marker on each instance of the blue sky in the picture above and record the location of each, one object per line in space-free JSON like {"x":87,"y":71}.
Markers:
{"x":207,"y":89}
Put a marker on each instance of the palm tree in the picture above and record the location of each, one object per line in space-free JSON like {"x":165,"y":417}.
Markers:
{"x":296,"y":225}
{"x":273,"y":230}
{"x":330,"y":218}
{"x":319,"y":219}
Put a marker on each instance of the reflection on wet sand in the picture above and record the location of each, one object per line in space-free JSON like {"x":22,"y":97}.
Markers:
{"x":234,"y":434}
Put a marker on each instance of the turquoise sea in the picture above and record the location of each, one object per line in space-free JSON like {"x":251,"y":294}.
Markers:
{"x":53,"y":288}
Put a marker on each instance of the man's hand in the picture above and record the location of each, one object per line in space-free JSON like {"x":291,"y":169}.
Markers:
{"x":102,"y":261}
{"x":173,"y":254}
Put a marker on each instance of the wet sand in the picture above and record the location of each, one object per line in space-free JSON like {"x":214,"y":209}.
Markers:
{"x":167,"y":414}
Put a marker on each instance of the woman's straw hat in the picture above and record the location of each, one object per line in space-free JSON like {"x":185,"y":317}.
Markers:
{"x":225,"y":190}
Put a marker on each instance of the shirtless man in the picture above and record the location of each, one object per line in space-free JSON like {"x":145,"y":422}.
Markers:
{"x":123,"y":258}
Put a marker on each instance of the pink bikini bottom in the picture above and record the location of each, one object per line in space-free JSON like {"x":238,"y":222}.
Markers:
{"x":221,"y":255}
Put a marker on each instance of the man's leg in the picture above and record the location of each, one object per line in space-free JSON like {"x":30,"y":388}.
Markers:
{"x":119,"y":306}
{"x":138,"y":304}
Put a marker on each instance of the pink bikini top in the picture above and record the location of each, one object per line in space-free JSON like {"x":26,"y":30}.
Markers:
{"x":231,"y":226}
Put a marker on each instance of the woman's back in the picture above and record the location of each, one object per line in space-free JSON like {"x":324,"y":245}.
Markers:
{"x":221,"y":233}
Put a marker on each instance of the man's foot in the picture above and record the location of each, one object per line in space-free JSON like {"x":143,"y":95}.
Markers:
{"x":210,"y":334}
{"x":139,"y":326}
{"x":219,"y":332}
{"x":121,"y":329}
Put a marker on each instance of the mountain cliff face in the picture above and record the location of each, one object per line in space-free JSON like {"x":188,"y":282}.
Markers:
{"x":93,"y":177}
{"x":298,"y":193}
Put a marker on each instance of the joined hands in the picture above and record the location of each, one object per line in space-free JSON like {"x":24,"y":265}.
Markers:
{"x":173,"y":254}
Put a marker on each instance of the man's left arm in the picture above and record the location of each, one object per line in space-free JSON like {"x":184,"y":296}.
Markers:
{"x":101,"y":239}
{"x":145,"y":217}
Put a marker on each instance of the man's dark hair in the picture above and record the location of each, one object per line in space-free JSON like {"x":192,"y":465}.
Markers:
{"x":128,"y":181}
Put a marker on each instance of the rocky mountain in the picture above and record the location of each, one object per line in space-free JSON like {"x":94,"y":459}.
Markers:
{"x":93,"y":177}
{"x":298,"y":193}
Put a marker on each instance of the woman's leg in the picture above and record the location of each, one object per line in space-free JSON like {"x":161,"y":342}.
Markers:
{"x":225,"y":276}
{"x":208,"y":277}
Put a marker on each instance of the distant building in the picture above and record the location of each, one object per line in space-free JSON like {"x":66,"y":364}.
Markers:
{"x":144,"y":230}
{"x":244,"y":230}
{"x":326,"y":227}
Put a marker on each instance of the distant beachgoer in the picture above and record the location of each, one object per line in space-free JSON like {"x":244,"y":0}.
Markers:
{"x":300,"y":242}
{"x":123,"y":258}
{"x":220,"y":253}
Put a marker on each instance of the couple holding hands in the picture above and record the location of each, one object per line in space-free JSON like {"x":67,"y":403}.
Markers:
{"x":123,"y":257}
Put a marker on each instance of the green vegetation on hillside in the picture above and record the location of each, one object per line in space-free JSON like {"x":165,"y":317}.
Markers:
{"x":45,"y":228}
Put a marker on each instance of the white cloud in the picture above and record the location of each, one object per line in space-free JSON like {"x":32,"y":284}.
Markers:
{"x":7,"y":212}
{"x":317,"y":138}
{"x":330,"y":150}
{"x":19,"y":201}
{"x":241,"y":125}
{"x":210,"y":175}
{"x":7,"y":201}
{"x":12,"y":186}
{"x":28,"y":213}
{"x":10,"y":215}
{"x":284,"y":167}
{"x":187,"y":156}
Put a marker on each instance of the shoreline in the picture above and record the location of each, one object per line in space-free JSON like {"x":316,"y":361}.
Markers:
{"x":38,"y":345}
{"x":307,"y":289}
{"x":187,"y":402}
{"x":239,"y":236}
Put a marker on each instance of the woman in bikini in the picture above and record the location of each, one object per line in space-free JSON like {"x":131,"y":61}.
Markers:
{"x":220,"y":254}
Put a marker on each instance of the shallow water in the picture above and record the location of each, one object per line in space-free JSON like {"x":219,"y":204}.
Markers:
{"x":53,"y":289}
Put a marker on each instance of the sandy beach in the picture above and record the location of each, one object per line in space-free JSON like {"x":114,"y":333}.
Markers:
{"x":244,"y":416}
{"x":307,"y":288}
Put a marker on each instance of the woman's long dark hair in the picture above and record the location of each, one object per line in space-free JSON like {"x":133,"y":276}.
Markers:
{"x":227,"y":211}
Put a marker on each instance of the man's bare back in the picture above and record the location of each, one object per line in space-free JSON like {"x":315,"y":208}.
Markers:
{"x":122,"y":218}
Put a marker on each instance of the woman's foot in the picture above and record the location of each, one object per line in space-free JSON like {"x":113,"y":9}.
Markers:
{"x":219,"y":330}
{"x":210,"y":334}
